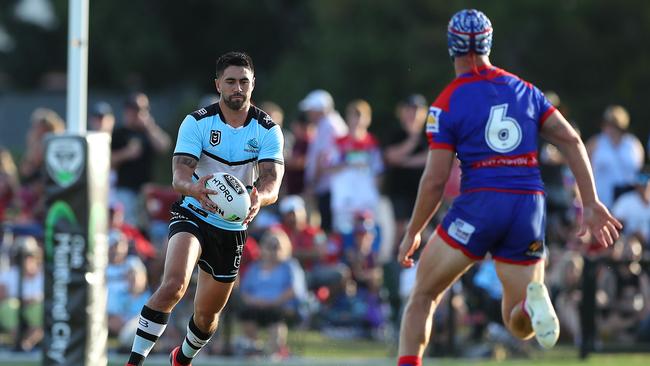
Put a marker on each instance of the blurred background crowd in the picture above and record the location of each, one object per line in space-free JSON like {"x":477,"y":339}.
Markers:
{"x":323,"y":257}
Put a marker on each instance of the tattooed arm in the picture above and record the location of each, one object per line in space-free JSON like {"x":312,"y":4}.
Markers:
{"x":182,"y":170}
{"x":267,"y":187}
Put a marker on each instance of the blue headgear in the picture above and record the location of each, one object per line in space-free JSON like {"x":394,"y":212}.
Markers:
{"x":468,"y":31}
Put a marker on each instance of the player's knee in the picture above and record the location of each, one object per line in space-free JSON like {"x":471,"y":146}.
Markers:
{"x":172,"y":290}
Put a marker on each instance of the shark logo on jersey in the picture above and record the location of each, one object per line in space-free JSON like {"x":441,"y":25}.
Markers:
{"x":252,"y":146}
{"x":432,"y":120}
{"x":215,"y":137}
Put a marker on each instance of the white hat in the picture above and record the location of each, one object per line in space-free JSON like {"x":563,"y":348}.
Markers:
{"x":317,"y":100}
{"x":291,"y":203}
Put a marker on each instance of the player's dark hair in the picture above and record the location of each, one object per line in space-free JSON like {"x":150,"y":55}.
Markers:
{"x":234,"y":58}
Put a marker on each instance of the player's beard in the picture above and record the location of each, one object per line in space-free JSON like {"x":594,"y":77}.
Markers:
{"x":235,"y":104}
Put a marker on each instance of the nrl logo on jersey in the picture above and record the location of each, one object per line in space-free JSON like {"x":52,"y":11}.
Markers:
{"x":215,"y":137}
{"x":252,"y":146}
{"x":432,"y":120}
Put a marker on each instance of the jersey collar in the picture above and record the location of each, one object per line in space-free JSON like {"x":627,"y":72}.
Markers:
{"x":249,"y":116}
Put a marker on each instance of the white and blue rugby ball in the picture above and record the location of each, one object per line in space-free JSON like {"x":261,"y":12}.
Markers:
{"x":233,"y":200}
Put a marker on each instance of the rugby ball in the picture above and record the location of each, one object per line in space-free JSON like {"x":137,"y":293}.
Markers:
{"x":233,"y":200}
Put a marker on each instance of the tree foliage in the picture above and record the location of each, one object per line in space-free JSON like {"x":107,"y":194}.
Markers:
{"x":592,"y":52}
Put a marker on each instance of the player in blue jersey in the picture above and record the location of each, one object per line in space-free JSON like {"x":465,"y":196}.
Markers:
{"x":490,"y":120}
{"x":230,"y":136}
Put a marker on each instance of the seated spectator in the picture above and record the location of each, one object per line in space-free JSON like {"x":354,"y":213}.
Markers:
{"x":118,"y":265}
{"x":32,"y":295}
{"x":271,"y":292}
{"x":309,"y":244}
{"x":138,"y":243}
{"x":158,"y":202}
{"x":360,"y":256}
{"x":348,"y":312}
{"x":633,"y":209}
{"x":9,"y":185}
{"x":367,"y":272}
{"x":125,"y":304}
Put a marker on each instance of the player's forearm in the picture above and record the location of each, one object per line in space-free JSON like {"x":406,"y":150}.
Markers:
{"x":182,"y":171}
{"x":182,"y":181}
{"x":426,"y":205}
{"x":268,"y":184}
{"x":577,"y":159}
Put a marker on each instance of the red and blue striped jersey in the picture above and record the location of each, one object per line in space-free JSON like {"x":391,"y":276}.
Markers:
{"x":491,"y":120}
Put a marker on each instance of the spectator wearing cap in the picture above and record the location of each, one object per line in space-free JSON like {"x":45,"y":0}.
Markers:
{"x":633,"y":209}
{"x":616,"y":155}
{"x":102,"y":118}
{"x":309,"y":244}
{"x":319,"y":107}
{"x":134,"y":146}
{"x":405,"y":154}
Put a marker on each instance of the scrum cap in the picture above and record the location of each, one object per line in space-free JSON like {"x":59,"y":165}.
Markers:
{"x":469,"y":30}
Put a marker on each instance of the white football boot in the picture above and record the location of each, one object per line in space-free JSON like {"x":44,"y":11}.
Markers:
{"x":542,"y":315}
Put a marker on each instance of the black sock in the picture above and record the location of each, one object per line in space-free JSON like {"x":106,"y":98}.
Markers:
{"x":151,"y":326}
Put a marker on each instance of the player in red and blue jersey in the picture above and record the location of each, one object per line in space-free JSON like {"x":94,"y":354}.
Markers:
{"x":490,"y":120}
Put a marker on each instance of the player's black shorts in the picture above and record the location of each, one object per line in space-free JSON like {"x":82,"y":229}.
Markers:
{"x":221,"y":249}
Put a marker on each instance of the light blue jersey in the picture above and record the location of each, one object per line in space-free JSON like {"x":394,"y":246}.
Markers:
{"x":219,"y":147}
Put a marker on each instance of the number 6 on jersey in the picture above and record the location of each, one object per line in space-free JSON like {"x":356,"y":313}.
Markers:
{"x":502,"y":133}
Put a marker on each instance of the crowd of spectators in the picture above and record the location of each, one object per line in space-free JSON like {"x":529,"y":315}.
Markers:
{"x":323,"y":257}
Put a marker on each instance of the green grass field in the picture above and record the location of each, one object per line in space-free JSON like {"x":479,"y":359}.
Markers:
{"x":312,"y":349}
{"x":596,"y":360}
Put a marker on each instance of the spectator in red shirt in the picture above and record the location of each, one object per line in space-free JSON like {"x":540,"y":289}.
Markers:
{"x":310,"y":244}
{"x":143,"y":247}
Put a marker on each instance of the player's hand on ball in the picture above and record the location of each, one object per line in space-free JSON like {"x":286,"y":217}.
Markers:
{"x":407,"y":247}
{"x":255,"y":206}
{"x":602,"y":225}
{"x":201,"y":192}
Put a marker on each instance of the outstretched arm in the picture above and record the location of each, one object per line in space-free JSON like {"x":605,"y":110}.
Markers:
{"x":432,"y":185}
{"x":597,"y":218}
{"x":266,"y":188}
